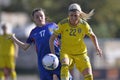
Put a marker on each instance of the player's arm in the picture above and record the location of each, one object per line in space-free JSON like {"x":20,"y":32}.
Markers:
{"x":16,"y":50}
{"x":20,"y":43}
{"x":51,"y":43}
{"x":93,"y":37}
{"x":95,"y":42}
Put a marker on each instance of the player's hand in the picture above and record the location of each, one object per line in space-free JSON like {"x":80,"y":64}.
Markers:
{"x":99,"y":52}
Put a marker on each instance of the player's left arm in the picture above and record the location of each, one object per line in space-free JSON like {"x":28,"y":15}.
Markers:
{"x":51,"y":43}
{"x":93,"y":37}
{"x":96,"y":44}
{"x":16,"y":49}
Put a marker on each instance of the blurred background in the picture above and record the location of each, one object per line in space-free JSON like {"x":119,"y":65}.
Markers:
{"x":105,"y":24}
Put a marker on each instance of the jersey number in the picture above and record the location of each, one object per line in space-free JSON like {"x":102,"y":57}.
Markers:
{"x":72,"y":32}
{"x":42,"y":33}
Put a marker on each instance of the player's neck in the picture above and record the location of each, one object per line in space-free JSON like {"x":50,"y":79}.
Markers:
{"x":73,"y":23}
{"x":41,"y":25}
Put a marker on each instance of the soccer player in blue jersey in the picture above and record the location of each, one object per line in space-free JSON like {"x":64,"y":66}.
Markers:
{"x":40,"y":37}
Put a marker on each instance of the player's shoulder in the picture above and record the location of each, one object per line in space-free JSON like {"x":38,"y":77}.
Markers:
{"x":83,"y":22}
{"x":35,"y":28}
{"x":64,"y":21}
{"x":51,"y":24}
{"x":9,"y":34}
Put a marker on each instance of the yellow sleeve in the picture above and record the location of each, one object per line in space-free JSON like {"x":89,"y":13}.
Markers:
{"x":88,"y":29}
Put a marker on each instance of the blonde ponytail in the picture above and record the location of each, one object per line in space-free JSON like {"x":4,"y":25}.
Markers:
{"x":86,"y":16}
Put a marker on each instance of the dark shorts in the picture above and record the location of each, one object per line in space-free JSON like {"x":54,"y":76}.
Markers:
{"x":48,"y":74}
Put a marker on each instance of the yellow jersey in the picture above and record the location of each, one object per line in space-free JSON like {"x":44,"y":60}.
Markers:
{"x":7,"y":47}
{"x":72,"y":37}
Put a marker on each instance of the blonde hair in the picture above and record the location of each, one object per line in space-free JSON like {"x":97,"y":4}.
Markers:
{"x":76,"y":7}
{"x":86,"y":16}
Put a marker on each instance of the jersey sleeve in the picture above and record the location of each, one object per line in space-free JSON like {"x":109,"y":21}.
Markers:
{"x":88,"y":29}
{"x":29,"y":39}
{"x":54,"y":27}
{"x":58,"y":30}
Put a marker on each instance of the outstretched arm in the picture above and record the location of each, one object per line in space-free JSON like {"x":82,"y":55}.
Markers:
{"x":20,"y":43}
{"x":16,"y":50}
{"x":95,"y":42}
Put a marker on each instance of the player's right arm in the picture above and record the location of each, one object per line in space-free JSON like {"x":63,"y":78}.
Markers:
{"x":20,"y":43}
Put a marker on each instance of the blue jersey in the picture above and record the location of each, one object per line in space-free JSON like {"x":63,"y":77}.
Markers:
{"x":40,"y":37}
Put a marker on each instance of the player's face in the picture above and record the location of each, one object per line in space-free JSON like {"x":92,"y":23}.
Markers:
{"x":39,"y":18}
{"x":74,"y":17}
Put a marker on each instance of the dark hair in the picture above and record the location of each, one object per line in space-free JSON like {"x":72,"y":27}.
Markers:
{"x":36,"y":10}
{"x":40,"y":9}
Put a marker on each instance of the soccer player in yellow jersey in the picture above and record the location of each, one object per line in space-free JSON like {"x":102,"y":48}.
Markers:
{"x":73,"y":49}
{"x":8,"y":54}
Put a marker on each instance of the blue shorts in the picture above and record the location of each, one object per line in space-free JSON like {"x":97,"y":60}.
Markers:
{"x":48,"y":74}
